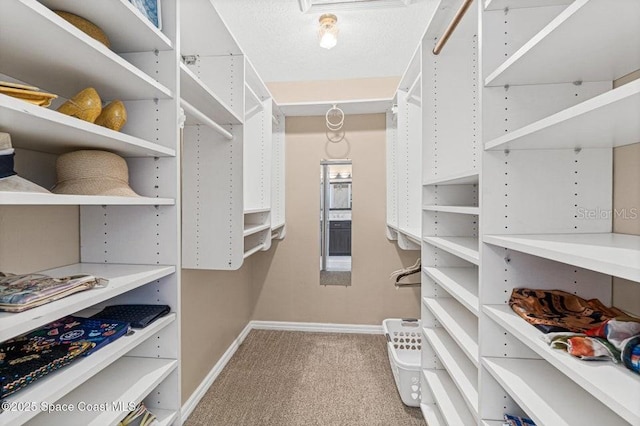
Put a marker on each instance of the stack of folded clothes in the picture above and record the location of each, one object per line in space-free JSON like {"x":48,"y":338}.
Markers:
{"x":586,"y":329}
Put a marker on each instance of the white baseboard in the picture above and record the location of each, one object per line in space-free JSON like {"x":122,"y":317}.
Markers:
{"x":196,"y":396}
{"x":317,"y":327}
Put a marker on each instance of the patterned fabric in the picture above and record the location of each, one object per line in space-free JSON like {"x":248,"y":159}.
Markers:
{"x":584,"y":347}
{"x":72,"y":329}
{"x":559,"y":311}
{"x":21,"y":292}
{"x":510,"y":420}
{"x":631,"y":354}
{"x":22,"y":363}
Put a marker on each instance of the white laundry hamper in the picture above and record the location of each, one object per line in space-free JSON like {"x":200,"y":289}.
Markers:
{"x":404,"y":342}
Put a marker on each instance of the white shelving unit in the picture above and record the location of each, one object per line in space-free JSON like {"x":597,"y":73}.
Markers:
{"x":449,"y":404}
{"x":233,"y":148}
{"x":131,"y":241}
{"x":546,"y":175}
{"x":460,"y":283}
{"x":598,"y":37}
{"x":404,"y":151}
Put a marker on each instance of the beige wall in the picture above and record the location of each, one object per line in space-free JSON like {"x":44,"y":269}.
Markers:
{"x":216,"y":306}
{"x":334,"y":90}
{"x":626,"y":199}
{"x":37,"y":238}
{"x":626,"y":204}
{"x":286,"y":279}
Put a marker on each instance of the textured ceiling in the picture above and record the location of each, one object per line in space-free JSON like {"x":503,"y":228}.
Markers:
{"x":282,"y":42}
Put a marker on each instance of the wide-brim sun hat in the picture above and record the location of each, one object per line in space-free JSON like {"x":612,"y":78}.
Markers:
{"x":13,"y":183}
{"x":92,"y":172}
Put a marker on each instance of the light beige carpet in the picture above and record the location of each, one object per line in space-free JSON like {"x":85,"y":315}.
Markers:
{"x":284,"y":378}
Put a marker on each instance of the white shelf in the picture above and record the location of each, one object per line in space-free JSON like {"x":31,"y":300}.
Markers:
{"x":467,"y":177}
{"x":463,"y":373}
{"x":34,"y":39}
{"x":492,"y":423}
{"x":254,"y":104}
{"x":588,"y":41}
{"x":617,"y":387}
{"x":448,"y":399}
{"x":432,"y":415}
{"x":59,"y":383}
{"x":164,"y":417}
{"x":464,"y":247}
{"x":349,"y":106}
{"x":548,"y":397}
{"x":412,"y":234}
{"x":122,"y":278}
{"x":41,"y":129}
{"x":453,"y":209}
{"x":196,"y":93}
{"x":611,"y":254}
{"x":260,"y":210}
{"x":605,"y":121}
{"x":35,"y":199}
{"x":459,"y":322}
{"x":461,"y":283}
{"x":515,"y":4}
{"x":127,"y":380}
{"x":128,"y":30}
{"x":254,"y":229}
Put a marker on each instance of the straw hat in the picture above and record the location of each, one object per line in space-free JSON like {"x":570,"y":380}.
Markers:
{"x":85,"y":26}
{"x":85,"y":105}
{"x":14,"y":183}
{"x":92,"y":173}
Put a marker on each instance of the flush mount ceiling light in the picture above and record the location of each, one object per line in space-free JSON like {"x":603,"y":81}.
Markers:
{"x":328,"y":31}
{"x":314,"y":6}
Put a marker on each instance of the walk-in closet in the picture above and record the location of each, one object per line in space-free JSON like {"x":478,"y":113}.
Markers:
{"x":320,"y":212}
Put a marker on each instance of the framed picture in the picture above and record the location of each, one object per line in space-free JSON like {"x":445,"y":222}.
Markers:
{"x":150,"y":9}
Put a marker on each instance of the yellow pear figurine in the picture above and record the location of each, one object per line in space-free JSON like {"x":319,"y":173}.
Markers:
{"x":113,"y":116}
{"x":86,"y":105}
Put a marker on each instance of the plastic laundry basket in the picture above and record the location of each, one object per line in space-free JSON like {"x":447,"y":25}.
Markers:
{"x":403,"y":345}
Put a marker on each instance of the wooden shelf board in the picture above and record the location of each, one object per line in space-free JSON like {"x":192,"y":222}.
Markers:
{"x":598,"y":37}
{"x":547,"y":396}
{"x":348,"y":106}
{"x":464,"y":247}
{"x":459,"y":322}
{"x":35,"y":199}
{"x":59,"y":383}
{"x":128,"y":379}
{"x":515,"y":4}
{"x":196,"y":93}
{"x":461,"y":370}
{"x":448,"y":399}
{"x":453,"y":209}
{"x":122,"y":278}
{"x":467,"y":177}
{"x":127,"y":28}
{"x":605,"y":121}
{"x":611,"y":254}
{"x":56,"y":46}
{"x":461,"y":283}
{"x":617,"y":387}
{"x":41,"y":129}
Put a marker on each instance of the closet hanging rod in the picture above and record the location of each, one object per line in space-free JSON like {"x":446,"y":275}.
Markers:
{"x":452,"y":26}
{"x":190,"y":109}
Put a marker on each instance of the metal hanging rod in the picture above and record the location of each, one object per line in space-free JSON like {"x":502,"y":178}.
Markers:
{"x":190,"y":109}
{"x":452,"y":26}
